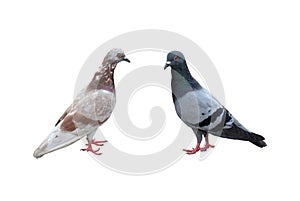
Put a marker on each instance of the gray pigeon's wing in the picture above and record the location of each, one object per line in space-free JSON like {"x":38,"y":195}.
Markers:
{"x":230,"y":120}
{"x":199,"y":109}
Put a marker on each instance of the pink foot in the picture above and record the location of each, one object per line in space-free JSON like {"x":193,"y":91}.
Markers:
{"x":206,"y":147}
{"x":98,"y":143}
{"x":90,"y":148}
{"x":194,"y":150}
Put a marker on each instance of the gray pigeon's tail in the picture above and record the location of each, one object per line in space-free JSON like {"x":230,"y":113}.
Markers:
{"x":237,"y":133}
{"x":258,"y":140}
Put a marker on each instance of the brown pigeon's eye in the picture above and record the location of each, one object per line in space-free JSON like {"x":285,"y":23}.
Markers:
{"x":176,"y":58}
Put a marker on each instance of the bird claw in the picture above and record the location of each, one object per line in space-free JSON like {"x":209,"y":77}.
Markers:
{"x":98,"y":143}
{"x":207,"y":146}
{"x":192,"y":151}
{"x":90,"y":148}
{"x":198,"y":148}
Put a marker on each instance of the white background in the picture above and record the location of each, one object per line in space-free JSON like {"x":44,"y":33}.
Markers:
{"x":255,"y":46}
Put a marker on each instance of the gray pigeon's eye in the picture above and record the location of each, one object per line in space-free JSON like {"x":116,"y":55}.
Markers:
{"x":176,"y":58}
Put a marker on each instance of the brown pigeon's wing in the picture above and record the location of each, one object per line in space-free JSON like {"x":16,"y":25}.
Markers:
{"x":74,"y":120}
{"x":96,"y":105}
{"x":64,"y":114}
{"x":68,"y":123}
{"x":73,"y":126}
{"x":70,"y":109}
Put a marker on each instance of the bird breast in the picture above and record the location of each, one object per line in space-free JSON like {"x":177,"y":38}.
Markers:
{"x":97,"y":105}
{"x":195,"y":106}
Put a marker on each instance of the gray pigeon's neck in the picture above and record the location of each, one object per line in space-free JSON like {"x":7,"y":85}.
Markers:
{"x":183,"y":82}
{"x":180,"y":85}
{"x":103,"y":79}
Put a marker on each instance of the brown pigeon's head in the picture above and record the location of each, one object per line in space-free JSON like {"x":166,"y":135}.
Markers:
{"x":114,"y":56}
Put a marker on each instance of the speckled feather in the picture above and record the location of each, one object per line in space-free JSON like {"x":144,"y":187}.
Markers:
{"x":197,"y":108}
{"x":92,"y":106}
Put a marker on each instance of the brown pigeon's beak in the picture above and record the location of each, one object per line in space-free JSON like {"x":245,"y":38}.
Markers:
{"x":168,"y":63}
{"x":125,"y":59}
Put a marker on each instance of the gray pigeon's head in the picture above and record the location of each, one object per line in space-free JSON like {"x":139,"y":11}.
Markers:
{"x":114,"y":56}
{"x":175,"y":60}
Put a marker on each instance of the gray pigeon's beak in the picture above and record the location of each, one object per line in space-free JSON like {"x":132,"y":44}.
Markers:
{"x":168,"y":63}
{"x":125,"y":59}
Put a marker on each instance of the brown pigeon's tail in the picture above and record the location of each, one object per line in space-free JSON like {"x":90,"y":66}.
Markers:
{"x":56,"y":140}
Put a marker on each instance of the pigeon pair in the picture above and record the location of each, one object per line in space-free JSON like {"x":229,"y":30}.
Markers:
{"x":194,"y":105}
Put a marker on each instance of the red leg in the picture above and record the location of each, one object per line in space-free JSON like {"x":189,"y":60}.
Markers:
{"x":90,"y":148}
{"x":207,"y":145}
{"x":96,"y":143}
{"x":194,"y":150}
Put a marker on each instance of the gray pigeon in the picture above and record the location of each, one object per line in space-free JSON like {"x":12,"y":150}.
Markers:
{"x":198,"y":109}
{"x":91,"y":108}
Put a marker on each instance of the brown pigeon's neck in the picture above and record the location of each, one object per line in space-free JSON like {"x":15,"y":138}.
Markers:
{"x":103,"y":79}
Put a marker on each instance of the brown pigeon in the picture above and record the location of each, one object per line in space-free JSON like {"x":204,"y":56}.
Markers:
{"x":90,"y":109}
